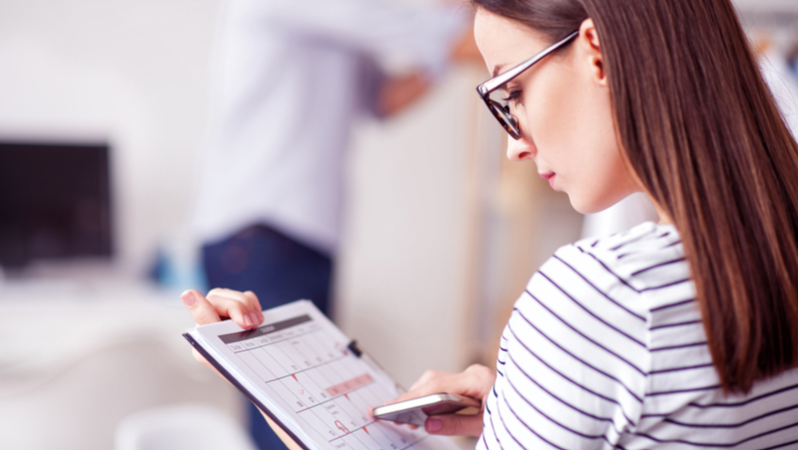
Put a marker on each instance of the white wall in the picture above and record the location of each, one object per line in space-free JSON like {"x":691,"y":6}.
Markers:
{"x":402,"y":275}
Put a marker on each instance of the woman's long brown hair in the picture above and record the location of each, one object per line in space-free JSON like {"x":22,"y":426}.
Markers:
{"x":702,"y":132}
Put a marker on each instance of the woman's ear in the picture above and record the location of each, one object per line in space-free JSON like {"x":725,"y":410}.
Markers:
{"x":589,"y":41}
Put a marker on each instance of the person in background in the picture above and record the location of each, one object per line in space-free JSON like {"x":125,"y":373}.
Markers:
{"x":290,"y":78}
{"x":680,"y":334}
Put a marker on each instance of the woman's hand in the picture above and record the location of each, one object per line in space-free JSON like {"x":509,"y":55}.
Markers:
{"x":475,"y":382}
{"x":242,"y":307}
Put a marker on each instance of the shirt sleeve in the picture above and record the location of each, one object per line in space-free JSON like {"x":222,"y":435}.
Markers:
{"x":573,"y":361}
{"x":380,"y":29}
{"x":371,"y":80}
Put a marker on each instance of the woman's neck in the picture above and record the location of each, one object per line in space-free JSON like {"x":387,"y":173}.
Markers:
{"x":663,"y":217}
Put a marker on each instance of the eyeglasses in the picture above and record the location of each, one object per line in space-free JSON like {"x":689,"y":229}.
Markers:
{"x":499,"y":107}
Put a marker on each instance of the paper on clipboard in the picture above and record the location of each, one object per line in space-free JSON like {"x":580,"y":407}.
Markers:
{"x":298,"y":369}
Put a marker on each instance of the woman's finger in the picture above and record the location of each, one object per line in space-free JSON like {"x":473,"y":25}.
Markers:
{"x":431,"y":382}
{"x":455,"y":425}
{"x":476,"y":381}
{"x":201,"y":309}
{"x":255,"y":305}
{"x":242,"y":307}
{"x":427,"y":377}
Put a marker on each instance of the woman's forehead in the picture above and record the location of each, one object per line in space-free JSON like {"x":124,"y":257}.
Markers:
{"x":504,"y":42}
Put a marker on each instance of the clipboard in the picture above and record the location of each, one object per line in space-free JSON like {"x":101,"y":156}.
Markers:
{"x":310,"y":379}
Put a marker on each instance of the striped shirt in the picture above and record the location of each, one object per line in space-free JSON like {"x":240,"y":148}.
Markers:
{"x":606,"y":349}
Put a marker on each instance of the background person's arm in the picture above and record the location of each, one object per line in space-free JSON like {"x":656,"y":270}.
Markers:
{"x":399,"y":92}
{"x":426,"y":36}
{"x":396,"y":93}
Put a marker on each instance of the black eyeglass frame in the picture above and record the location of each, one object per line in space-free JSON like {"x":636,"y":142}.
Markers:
{"x":500,"y":111}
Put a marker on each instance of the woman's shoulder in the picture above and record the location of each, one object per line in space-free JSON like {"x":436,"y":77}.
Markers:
{"x":640,"y":269}
{"x":643,"y":243}
{"x":584,"y":321}
{"x":603,"y":305}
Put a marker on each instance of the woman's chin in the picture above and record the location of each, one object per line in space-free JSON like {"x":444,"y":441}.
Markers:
{"x":585,"y":205}
{"x":580,"y":205}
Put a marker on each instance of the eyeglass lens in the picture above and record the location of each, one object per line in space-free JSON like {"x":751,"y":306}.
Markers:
{"x":500,"y":108}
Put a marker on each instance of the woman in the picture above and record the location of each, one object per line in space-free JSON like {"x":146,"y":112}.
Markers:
{"x":680,"y":334}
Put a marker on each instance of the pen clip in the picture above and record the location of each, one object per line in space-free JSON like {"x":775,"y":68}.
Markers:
{"x":353,"y":347}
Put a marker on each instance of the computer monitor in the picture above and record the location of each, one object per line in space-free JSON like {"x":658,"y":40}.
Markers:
{"x":55,"y":202}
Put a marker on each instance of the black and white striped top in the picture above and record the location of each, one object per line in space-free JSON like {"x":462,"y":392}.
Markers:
{"x":606,"y":349}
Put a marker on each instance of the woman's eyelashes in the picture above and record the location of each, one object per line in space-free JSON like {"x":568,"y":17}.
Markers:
{"x":513,"y":96}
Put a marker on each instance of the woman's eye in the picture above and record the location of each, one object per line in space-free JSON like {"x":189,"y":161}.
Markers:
{"x":513,"y":97}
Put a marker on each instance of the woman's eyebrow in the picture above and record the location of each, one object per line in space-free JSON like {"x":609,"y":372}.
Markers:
{"x":496,"y":69}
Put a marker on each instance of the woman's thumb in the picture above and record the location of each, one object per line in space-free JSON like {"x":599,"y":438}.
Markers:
{"x":202,"y":310}
{"x":455,"y":425}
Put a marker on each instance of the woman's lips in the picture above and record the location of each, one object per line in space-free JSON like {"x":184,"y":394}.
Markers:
{"x":550,"y":177}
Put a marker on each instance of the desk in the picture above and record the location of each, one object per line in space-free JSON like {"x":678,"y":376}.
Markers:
{"x":77,"y":357}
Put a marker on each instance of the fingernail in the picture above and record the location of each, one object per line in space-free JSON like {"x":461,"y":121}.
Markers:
{"x":433,"y":425}
{"x":256,"y":320}
{"x":188,"y":299}
{"x":247,"y":322}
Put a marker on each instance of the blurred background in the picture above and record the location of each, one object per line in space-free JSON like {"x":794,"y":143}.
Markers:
{"x":104,"y":115}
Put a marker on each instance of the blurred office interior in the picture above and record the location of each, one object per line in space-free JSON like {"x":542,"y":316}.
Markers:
{"x":103,"y":108}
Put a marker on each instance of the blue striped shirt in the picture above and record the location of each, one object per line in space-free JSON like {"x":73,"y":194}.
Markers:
{"x":606,"y":349}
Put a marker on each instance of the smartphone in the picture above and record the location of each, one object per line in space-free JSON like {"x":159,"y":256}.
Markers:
{"x":414,"y":411}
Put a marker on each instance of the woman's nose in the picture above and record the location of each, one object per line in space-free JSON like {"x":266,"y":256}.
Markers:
{"x":520,"y":149}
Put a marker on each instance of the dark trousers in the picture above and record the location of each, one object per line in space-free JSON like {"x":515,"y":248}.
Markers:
{"x":278,"y":270}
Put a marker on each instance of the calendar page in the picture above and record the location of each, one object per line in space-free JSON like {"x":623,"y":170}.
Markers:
{"x":300,"y":369}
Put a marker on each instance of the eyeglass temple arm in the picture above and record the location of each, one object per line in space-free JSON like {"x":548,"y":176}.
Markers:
{"x":504,"y":78}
